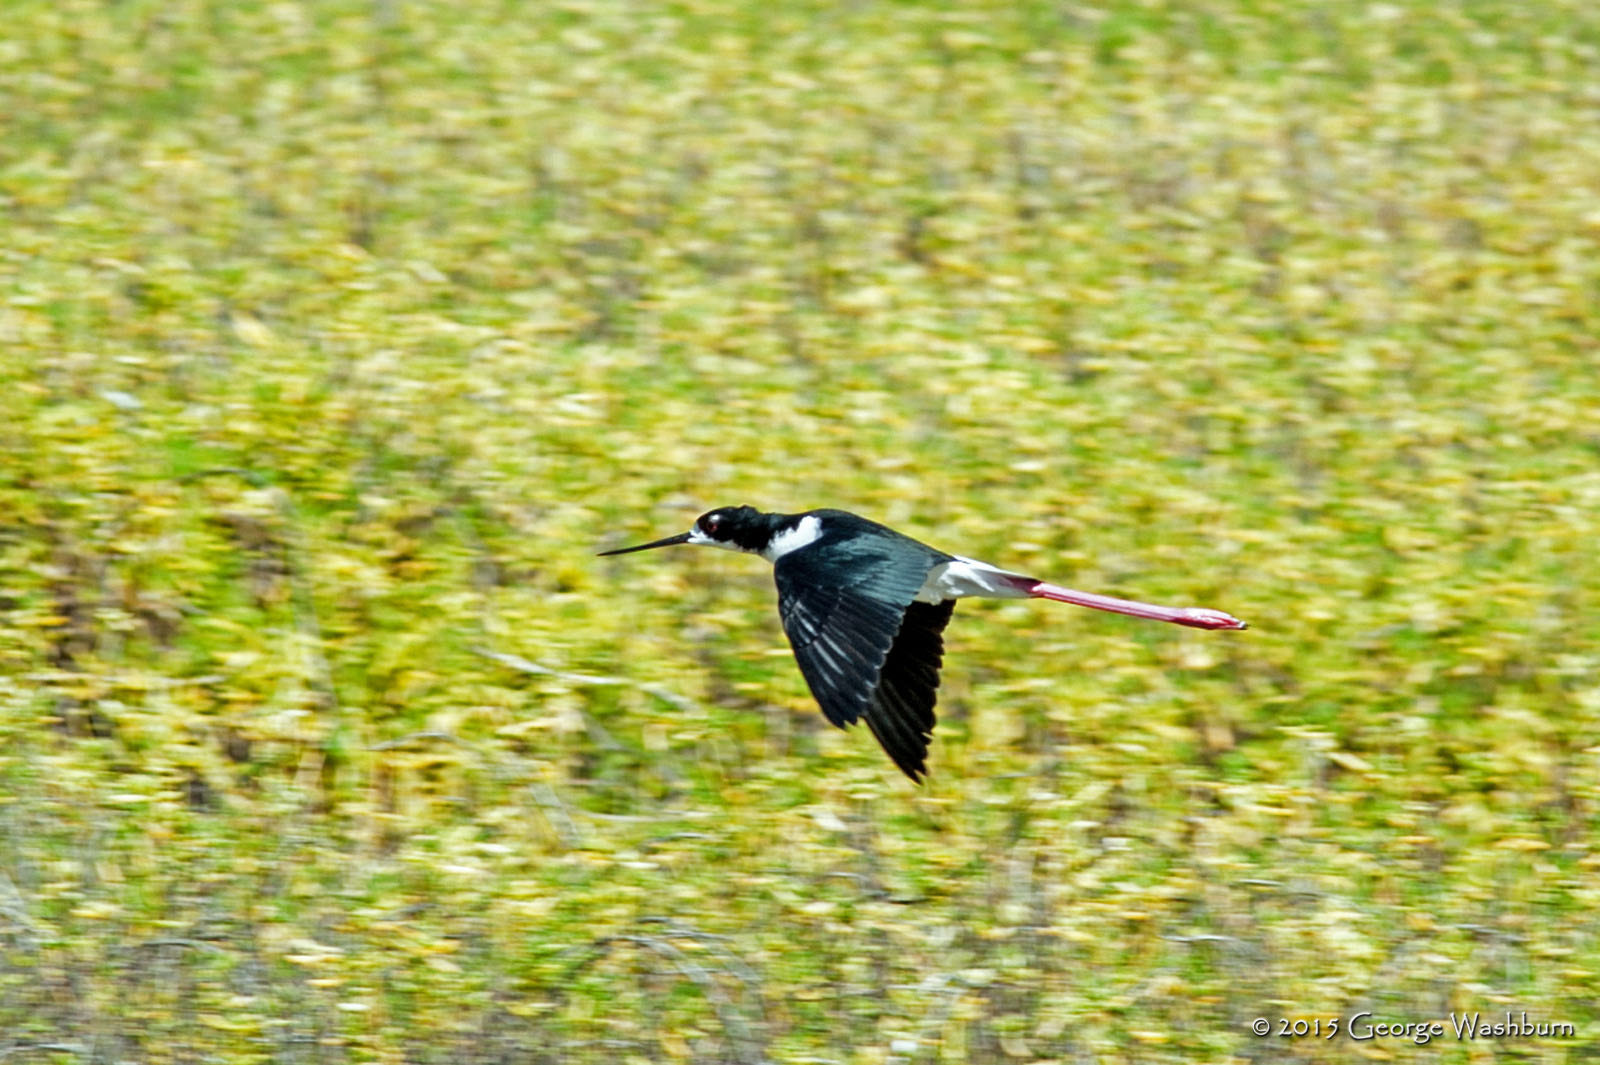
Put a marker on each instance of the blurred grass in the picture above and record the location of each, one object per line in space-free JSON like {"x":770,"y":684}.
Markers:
{"x":335,"y":339}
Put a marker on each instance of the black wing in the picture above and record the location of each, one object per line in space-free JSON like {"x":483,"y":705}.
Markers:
{"x":900,"y":712}
{"x":864,"y":647}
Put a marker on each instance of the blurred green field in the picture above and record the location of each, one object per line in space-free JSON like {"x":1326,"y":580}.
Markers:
{"x":336,"y":338}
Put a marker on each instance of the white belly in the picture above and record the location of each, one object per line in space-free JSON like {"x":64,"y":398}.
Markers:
{"x":965,"y":577}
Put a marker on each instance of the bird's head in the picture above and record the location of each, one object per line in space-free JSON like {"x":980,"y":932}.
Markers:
{"x":734,"y":528}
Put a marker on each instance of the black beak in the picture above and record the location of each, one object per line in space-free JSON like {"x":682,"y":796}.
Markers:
{"x":681,"y":538}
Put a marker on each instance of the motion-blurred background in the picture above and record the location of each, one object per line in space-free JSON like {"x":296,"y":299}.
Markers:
{"x":337,"y":337}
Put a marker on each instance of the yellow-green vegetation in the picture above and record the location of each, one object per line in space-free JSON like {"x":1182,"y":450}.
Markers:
{"x":335,"y":338}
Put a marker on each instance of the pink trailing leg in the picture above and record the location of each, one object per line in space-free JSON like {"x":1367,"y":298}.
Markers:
{"x":1196,"y":617}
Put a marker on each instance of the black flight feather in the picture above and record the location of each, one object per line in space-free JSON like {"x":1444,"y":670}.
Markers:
{"x":865,"y":648}
{"x":900,"y":712}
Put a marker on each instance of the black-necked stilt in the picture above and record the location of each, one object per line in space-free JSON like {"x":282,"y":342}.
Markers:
{"x":864,"y":608}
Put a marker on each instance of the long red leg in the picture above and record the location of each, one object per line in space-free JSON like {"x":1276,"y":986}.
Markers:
{"x":1196,"y":617}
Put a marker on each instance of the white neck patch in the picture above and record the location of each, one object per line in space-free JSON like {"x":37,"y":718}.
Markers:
{"x":801,"y":534}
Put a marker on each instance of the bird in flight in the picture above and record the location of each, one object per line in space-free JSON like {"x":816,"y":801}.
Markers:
{"x":865,"y":608}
